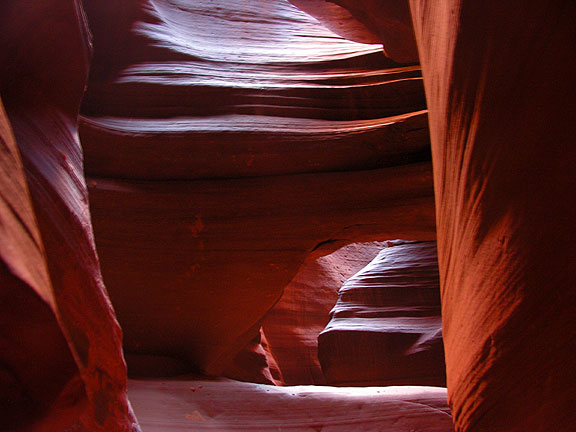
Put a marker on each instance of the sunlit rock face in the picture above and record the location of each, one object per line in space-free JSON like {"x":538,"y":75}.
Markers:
{"x":224,"y":141}
{"x":386,"y":327}
{"x":60,"y":345}
{"x":388,"y":23}
{"x":501,"y":94}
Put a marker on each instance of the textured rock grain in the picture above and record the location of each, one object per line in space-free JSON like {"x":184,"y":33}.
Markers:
{"x":293,"y":325}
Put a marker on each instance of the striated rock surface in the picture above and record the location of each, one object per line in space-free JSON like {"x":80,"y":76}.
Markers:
{"x":293,"y":325}
{"x":388,"y":23}
{"x":386,"y":326}
{"x":503,"y":122}
{"x":499,"y":84}
{"x":30,"y":329}
{"x":225,"y":405}
{"x":231,"y":246}
{"x":224,"y":141}
{"x":60,"y":345}
{"x":255,"y":363}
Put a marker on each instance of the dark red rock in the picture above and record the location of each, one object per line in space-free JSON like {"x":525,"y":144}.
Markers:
{"x":61,"y":343}
{"x":501,"y":93}
{"x":255,"y":363}
{"x":232,"y":246}
{"x":499,"y":84}
{"x":386,"y":327}
{"x":37,"y":371}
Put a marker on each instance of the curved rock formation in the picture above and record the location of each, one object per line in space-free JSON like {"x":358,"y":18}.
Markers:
{"x":293,"y":325}
{"x":386,"y":326}
{"x":60,"y":346}
{"x":224,"y":142}
{"x":388,"y":23}
{"x":504,"y":157}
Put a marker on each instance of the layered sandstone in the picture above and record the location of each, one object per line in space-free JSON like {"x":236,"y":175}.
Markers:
{"x":386,"y":327}
{"x":503,"y":122}
{"x":501,"y":96}
{"x":224,"y":142}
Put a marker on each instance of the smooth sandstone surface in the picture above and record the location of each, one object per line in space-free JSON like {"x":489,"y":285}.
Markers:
{"x":386,"y":327}
{"x":223,"y":143}
{"x":225,"y":405}
{"x":61,"y":345}
{"x":30,"y":329}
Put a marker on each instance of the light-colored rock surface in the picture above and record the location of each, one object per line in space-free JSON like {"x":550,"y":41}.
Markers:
{"x":386,"y":327}
{"x":225,"y":405}
{"x":389,"y":23}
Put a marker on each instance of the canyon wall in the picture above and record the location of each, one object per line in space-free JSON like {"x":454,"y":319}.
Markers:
{"x":224,"y":143}
{"x":60,"y":346}
{"x":501,"y":95}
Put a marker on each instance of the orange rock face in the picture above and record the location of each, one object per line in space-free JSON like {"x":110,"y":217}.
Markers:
{"x":501,"y":98}
{"x":503,"y":125}
{"x":225,"y":143}
{"x":386,"y":326}
{"x":215,"y":168}
{"x":60,"y":348}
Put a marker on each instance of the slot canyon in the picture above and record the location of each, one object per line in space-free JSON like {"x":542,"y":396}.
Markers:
{"x":287,"y":215}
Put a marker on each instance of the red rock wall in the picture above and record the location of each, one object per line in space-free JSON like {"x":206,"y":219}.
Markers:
{"x":222,"y":148}
{"x":501,"y":93}
{"x":61,"y":342}
{"x":385,"y":328}
{"x":500,"y":89}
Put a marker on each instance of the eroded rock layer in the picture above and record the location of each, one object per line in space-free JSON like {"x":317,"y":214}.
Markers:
{"x":386,"y":326}
{"x":224,"y":141}
{"x":503,"y":127}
